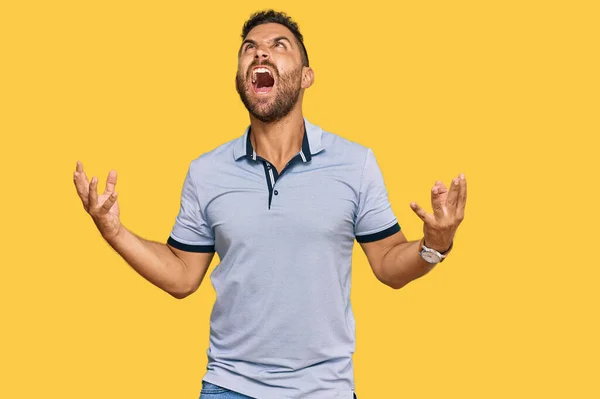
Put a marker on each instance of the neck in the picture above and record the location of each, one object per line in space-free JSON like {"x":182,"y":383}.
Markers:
{"x":280,"y":141}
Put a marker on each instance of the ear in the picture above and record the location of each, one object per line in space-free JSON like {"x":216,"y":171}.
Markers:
{"x":308,"y":77}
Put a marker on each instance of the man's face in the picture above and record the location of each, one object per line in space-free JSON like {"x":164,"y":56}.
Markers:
{"x":270,"y":73}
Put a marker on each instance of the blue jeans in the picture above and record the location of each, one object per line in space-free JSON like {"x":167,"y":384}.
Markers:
{"x":212,"y":391}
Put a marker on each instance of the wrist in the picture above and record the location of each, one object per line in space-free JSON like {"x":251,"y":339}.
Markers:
{"x":432,"y":255}
{"x":443,"y":249}
{"x":114,"y":236}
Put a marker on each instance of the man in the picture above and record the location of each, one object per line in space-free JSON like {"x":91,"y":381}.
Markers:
{"x":282,"y":206}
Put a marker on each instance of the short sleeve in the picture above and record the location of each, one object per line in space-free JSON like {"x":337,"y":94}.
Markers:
{"x":191,"y":231}
{"x":375,"y":219}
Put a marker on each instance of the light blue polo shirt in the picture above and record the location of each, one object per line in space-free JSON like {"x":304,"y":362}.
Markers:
{"x":282,"y":324}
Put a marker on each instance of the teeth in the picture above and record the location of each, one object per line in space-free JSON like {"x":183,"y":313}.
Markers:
{"x":262,"y":70}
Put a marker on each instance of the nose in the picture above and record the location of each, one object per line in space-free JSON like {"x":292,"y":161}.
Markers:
{"x":261,"y":53}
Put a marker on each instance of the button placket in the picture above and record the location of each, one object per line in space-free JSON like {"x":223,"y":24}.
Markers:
{"x":273,"y":176}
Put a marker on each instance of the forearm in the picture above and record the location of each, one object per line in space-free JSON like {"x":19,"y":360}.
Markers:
{"x":152,"y":260}
{"x":403,"y":264}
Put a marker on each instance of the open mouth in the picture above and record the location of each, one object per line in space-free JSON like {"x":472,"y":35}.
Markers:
{"x":262,"y":80}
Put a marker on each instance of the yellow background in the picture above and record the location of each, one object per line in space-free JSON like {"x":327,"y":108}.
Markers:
{"x":506,"y":92}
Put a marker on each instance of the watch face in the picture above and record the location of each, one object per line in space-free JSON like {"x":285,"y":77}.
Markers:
{"x":430,"y":257}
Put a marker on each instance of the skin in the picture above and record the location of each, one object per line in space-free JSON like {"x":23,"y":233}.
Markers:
{"x":176,"y":272}
{"x":277,"y":141}
{"x":395,"y":261}
{"x":275,"y":105}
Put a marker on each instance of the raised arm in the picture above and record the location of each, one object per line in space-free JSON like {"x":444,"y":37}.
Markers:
{"x":176,"y":272}
{"x":396,"y":261}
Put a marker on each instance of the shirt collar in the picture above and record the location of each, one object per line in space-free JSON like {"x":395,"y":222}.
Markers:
{"x":311,"y":143}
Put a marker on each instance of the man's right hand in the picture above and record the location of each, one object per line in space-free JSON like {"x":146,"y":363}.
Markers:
{"x":103,"y":209}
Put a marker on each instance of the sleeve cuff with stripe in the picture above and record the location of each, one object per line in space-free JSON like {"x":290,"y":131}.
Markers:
{"x":380,"y":235}
{"x":190,"y":248}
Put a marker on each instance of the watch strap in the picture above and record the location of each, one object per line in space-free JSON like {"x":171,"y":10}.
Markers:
{"x":443,"y":255}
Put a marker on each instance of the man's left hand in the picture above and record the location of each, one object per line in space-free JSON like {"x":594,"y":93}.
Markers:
{"x":448,"y":211}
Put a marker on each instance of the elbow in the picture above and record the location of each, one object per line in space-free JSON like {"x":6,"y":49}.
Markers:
{"x":397,"y":284}
{"x":394,"y":282}
{"x":178,"y":295}
{"x":398,"y":281}
{"x":181,"y":292}
{"x":183,"y":288}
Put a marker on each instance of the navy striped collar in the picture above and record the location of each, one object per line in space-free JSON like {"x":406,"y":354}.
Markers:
{"x":311,"y":143}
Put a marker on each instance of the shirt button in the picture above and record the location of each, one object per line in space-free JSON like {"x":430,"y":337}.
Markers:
{"x":276,"y":192}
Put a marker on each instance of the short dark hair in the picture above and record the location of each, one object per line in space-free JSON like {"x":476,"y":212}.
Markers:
{"x":276,"y":17}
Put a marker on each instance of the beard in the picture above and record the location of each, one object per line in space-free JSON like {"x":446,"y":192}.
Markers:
{"x":271,"y":110}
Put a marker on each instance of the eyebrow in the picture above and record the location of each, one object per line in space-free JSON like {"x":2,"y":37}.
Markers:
{"x":277,"y":39}
{"x":247,"y":41}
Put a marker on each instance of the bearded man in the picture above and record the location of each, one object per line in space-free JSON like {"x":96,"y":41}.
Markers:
{"x":282,"y":206}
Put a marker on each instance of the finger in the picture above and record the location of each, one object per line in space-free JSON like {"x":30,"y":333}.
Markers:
{"x":441,"y":185}
{"x":419,"y":211}
{"x":93,"y":193}
{"x":110,"y":201}
{"x":80,"y":173}
{"x":462,"y":197}
{"x":111,"y":181}
{"x":453,"y":195}
{"x":438,"y":199}
{"x":82,"y":186}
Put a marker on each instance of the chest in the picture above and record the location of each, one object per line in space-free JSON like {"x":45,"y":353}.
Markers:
{"x":318,"y":204}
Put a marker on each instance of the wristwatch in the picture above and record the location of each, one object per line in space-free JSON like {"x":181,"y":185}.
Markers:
{"x":430,"y":255}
